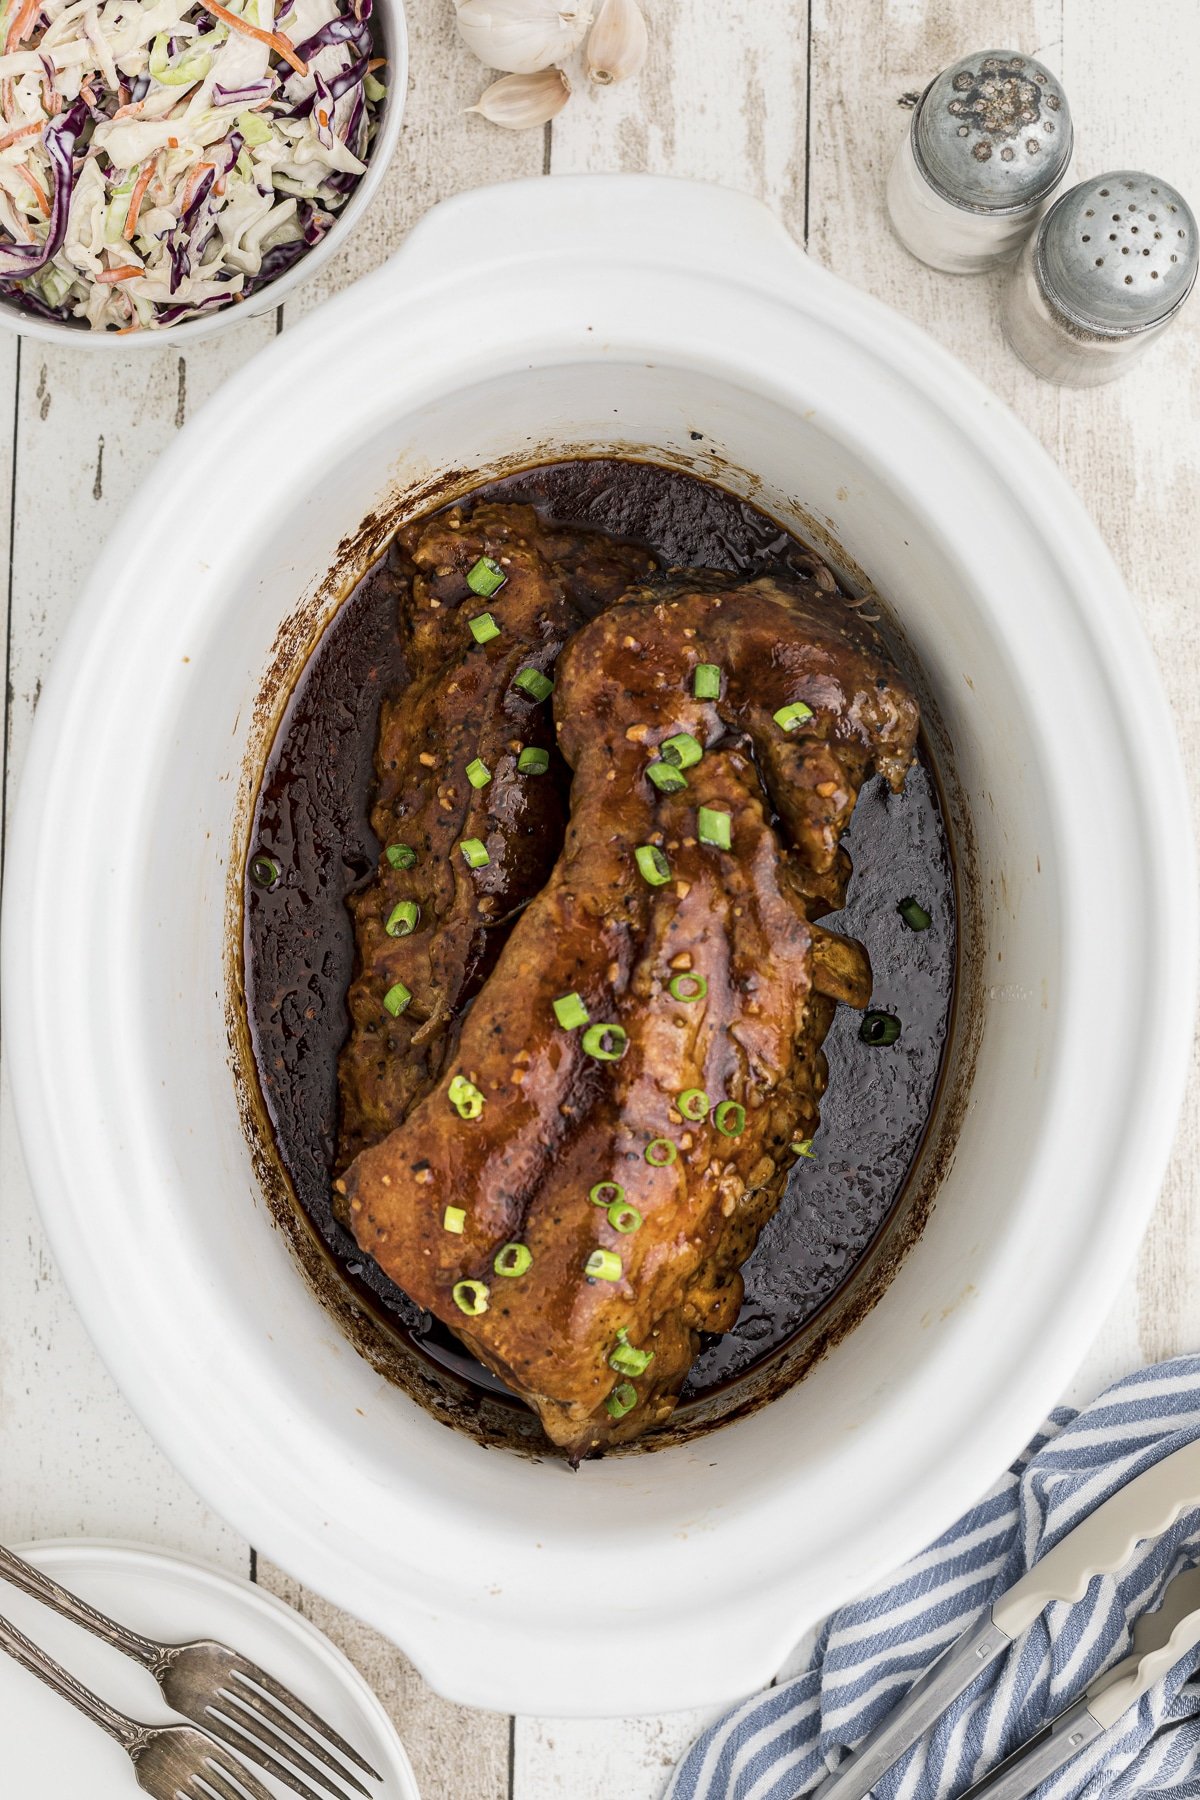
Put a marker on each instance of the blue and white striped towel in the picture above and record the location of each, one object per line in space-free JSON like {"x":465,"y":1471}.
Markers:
{"x":778,"y":1745}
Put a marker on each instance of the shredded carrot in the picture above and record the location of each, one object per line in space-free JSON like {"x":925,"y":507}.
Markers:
{"x":88,"y":92}
{"x":126,"y":272}
{"x":193,"y":182}
{"x":125,"y":330}
{"x":25,"y":15}
{"x":376,"y":62}
{"x":43,"y":198}
{"x":275,"y":39}
{"x":122,"y":93}
{"x":172,"y":143}
{"x":10,"y":137}
{"x":219,"y":187}
{"x":136,"y":198}
{"x":130,"y":109}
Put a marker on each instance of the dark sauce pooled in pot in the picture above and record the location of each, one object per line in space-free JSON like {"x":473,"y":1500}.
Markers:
{"x":312,"y":820}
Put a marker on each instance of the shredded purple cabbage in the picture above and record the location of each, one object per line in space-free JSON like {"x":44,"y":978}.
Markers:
{"x":59,"y":139}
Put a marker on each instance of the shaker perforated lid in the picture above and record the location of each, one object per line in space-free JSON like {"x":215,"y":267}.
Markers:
{"x":1117,"y":254}
{"x":993,"y":132}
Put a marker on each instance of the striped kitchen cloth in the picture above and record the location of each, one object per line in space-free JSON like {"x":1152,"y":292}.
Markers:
{"x":780,"y":1744}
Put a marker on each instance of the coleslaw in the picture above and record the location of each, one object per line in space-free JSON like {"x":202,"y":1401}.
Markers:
{"x":160,"y":159}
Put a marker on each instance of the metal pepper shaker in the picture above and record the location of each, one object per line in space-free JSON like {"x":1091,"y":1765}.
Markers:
{"x":1105,"y":273}
{"x":987,"y":150}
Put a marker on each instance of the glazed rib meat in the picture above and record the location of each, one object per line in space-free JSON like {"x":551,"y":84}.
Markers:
{"x":427,"y":924}
{"x":575,"y":1198}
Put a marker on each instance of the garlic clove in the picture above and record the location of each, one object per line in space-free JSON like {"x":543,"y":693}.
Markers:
{"x":520,"y":102}
{"x":523,"y":36}
{"x":619,"y":42}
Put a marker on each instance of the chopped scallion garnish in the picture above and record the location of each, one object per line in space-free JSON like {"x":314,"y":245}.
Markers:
{"x":606,"y":1193}
{"x":653,"y":864}
{"x":474,"y":853}
{"x":660,"y":1153}
{"x":622,"y":1400}
{"x":607,"y":1043}
{"x":471,"y":1297}
{"x":570,"y":1012}
{"x":694,"y":1104}
{"x":484,"y":628}
{"x":666,"y":777}
{"x":534,"y":683}
{"x":626,"y":1359}
{"x":730,"y":1118}
{"x":486,"y":578}
{"x":264,"y":870}
{"x":533,"y":761}
{"x":803,"y":1147}
{"x":396,"y":999}
{"x":687,"y":987}
{"x":879,"y":1029}
{"x":465,"y":1098}
{"x":788,"y":717}
{"x":453,"y":1219}
{"x":513,"y":1259}
{"x":603,"y":1265}
{"x":478,"y":773}
{"x":402,"y":920}
{"x":401,"y":856}
{"x":914,"y":915}
{"x":624,"y":1218}
{"x":714,"y":828}
{"x":707,"y":682}
{"x":682,"y":750}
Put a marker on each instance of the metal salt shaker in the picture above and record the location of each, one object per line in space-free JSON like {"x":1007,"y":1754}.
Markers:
{"x":987,"y":150}
{"x":1103,"y":276}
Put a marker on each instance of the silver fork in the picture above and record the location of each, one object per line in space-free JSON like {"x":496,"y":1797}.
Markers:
{"x":169,"y":1761}
{"x":220,"y":1691}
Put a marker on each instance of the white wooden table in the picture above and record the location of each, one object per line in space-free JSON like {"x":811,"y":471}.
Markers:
{"x":799,"y":101}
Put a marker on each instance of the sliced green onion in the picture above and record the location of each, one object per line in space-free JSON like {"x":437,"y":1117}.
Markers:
{"x":453,"y":1219}
{"x":730,"y":1118}
{"x":478,"y":773}
{"x":402,"y":920}
{"x":603,"y":1265}
{"x":914,"y":915}
{"x":682,"y":750}
{"x":570,"y":1012}
{"x":687,"y":988}
{"x":534,"y":683}
{"x":666,"y":777}
{"x":471,"y":1297}
{"x":466,"y":1098}
{"x":714,"y":828}
{"x":788,"y":717}
{"x":513,"y":1259}
{"x":486,"y":578}
{"x":396,"y":999}
{"x":803,"y":1147}
{"x":474,"y":853}
{"x":706,"y":684}
{"x":660,"y":1153}
{"x":401,"y":856}
{"x":879,"y":1029}
{"x":264,"y":870}
{"x":622,"y":1400}
{"x":694,"y":1104}
{"x":626,"y":1359}
{"x":484,"y":628}
{"x":653,"y":864}
{"x":607,"y":1043}
{"x":606,"y":1193}
{"x":533,"y":761}
{"x":624,"y":1218}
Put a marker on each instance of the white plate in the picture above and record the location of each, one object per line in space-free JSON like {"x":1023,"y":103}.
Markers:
{"x":50,"y":1750}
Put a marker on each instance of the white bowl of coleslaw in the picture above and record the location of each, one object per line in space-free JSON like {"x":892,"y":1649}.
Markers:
{"x":179,"y":165}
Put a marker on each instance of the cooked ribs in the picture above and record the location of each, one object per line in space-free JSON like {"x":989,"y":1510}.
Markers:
{"x":460,"y":706}
{"x":575,"y":1199}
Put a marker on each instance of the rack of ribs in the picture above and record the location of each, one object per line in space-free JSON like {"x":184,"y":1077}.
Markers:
{"x":577,"y":1190}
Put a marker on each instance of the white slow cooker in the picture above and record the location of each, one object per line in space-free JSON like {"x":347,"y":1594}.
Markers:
{"x":679,"y":323}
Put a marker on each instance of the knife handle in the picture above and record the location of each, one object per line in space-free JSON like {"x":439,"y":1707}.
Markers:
{"x":1025,"y":1771}
{"x":924,"y":1703}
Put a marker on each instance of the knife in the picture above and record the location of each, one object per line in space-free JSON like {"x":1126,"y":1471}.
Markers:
{"x":1144,"y":1508}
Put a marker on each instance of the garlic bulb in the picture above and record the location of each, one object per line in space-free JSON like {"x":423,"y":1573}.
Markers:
{"x":618,"y":44}
{"x":524,"y":36}
{"x":520,"y":102}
